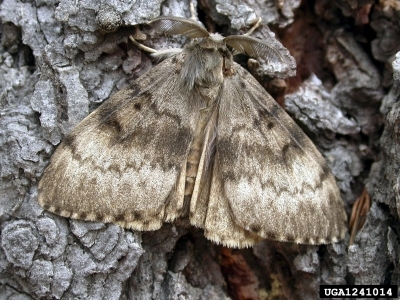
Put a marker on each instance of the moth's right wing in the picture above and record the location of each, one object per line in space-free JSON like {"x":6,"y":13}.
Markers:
{"x":125,"y":163}
{"x":266,"y":178}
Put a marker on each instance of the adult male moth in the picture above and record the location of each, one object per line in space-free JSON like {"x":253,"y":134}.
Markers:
{"x":197,"y":135}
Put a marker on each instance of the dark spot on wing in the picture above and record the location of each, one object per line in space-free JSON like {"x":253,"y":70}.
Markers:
{"x":112,"y":121}
{"x":69,"y":140}
{"x":134,"y":90}
{"x":326,"y":171}
{"x":115,"y":168}
{"x":46,"y":206}
{"x":272,"y":236}
{"x":285,"y":150}
{"x":82,"y":215}
{"x":255,"y":228}
{"x":98,"y":217}
{"x":289,"y":238}
{"x":93,"y":181}
{"x":137,"y":215}
{"x":256,"y":122}
{"x":270,"y":125}
{"x":324,"y":175}
{"x":137,"y":106}
{"x":297,"y":134}
{"x":107,"y":115}
{"x":57,"y":211}
{"x":119,"y":218}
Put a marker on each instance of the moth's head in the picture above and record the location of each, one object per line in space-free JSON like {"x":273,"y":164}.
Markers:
{"x":212,"y":43}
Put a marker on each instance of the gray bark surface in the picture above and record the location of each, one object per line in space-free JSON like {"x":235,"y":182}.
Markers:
{"x":60,"y":59}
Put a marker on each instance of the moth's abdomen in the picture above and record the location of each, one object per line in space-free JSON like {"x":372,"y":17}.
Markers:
{"x":192,"y":165}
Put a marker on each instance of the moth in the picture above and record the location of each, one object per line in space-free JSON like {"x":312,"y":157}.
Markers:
{"x":197,"y":136}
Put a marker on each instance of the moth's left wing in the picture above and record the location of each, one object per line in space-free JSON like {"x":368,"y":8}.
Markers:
{"x":268,"y":177}
{"x":125,"y":163}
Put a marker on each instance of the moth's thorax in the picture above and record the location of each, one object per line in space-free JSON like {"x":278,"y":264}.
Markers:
{"x":206,"y":62}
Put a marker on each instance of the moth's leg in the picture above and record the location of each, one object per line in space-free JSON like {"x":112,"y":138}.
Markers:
{"x":142,"y":47}
{"x":192,"y":14}
{"x":160,"y":54}
{"x":255,"y":26}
